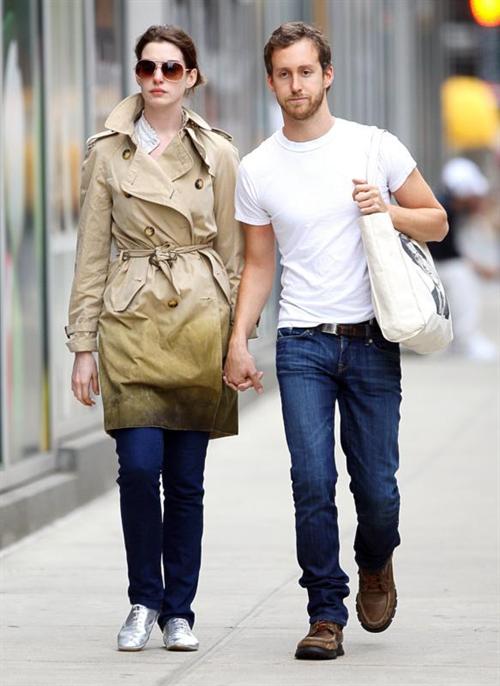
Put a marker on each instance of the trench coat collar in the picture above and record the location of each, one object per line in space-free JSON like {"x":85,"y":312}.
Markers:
{"x":123,"y":117}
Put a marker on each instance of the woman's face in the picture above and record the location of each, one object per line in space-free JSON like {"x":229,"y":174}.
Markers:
{"x":157,"y":90}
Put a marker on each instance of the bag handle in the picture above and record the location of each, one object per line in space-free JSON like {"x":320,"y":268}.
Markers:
{"x":373,"y":154}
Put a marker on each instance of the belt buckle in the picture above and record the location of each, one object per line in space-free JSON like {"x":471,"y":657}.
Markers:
{"x":330,"y":328}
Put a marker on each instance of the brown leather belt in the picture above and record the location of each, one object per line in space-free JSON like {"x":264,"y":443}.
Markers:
{"x":360,"y":330}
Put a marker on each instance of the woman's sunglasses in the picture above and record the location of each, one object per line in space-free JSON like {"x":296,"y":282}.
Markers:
{"x":171,"y":70}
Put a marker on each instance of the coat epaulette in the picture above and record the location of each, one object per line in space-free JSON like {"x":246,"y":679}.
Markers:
{"x":222,"y":133}
{"x":93,"y":139}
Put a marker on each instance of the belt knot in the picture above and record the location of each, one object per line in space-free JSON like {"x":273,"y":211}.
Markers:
{"x":161,"y":254}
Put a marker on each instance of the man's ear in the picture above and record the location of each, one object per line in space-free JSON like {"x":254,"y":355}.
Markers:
{"x":270,"y":83}
{"x":329,"y":75}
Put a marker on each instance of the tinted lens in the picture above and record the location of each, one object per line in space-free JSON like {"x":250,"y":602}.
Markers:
{"x":173,"y":71}
{"x":145,"y":68}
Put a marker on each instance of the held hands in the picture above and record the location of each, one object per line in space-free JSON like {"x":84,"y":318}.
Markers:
{"x":240,"y":372}
{"x":368,"y":198}
{"x":84,"y":377}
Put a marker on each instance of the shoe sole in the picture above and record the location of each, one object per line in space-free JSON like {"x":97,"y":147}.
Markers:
{"x":182,"y":649}
{"x":377,"y":629}
{"x":313,"y":653}
{"x":131,"y":650}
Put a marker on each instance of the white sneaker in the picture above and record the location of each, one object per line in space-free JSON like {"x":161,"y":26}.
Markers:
{"x":137,"y":628}
{"x":177,"y":635}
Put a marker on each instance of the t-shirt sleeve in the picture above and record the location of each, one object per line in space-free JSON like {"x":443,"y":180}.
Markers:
{"x":396,"y":161}
{"x":246,"y":201}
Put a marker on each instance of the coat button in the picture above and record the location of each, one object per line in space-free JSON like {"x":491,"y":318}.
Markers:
{"x":126,"y":154}
{"x":149,"y":231}
{"x":199,"y":184}
{"x":172,"y":303}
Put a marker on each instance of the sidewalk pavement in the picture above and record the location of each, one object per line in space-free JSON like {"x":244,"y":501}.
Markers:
{"x":64,"y":588}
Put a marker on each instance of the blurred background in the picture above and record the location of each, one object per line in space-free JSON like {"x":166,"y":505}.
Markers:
{"x":427,"y":70}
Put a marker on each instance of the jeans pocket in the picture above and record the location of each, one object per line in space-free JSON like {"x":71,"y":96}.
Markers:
{"x":383,"y":345}
{"x":293,"y":332}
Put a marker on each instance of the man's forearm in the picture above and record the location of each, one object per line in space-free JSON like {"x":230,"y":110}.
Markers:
{"x":423,"y":224}
{"x":255,"y":287}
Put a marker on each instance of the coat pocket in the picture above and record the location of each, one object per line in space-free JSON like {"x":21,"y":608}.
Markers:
{"x":128,"y":282}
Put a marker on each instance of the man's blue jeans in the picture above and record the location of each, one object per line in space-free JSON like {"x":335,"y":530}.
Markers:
{"x":316,"y":370}
{"x":179,"y":457}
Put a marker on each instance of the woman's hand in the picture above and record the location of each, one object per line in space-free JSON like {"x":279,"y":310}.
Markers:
{"x":240,"y":372}
{"x":85,"y":377}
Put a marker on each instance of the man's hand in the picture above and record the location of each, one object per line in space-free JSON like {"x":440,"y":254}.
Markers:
{"x":240,"y":372}
{"x":368,"y":198}
{"x":84,"y":377}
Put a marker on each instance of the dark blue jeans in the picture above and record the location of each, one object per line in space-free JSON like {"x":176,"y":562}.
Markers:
{"x":179,"y":457}
{"x":315,"y":371}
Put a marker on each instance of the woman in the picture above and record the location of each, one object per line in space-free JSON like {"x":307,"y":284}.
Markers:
{"x":157,"y":196}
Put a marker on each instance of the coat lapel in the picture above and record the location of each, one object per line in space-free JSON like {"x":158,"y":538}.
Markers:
{"x":200,"y":148}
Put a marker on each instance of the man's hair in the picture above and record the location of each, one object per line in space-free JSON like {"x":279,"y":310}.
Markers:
{"x":291,"y":32}
{"x":171,"y":34}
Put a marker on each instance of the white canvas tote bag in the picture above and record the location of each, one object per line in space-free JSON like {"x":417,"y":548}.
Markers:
{"x":408,"y":297}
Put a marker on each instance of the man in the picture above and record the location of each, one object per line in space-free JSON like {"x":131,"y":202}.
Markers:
{"x":304,"y":186}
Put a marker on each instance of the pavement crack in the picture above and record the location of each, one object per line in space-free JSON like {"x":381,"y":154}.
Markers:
{"x":178,"y":675}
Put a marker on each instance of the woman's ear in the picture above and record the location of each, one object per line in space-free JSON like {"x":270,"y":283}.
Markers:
{"x":191,"y":78}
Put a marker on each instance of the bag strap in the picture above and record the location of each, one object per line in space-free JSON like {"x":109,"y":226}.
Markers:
{"x":373,"y":154}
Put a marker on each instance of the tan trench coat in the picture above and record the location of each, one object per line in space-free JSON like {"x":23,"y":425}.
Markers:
{"x":157,"y":269}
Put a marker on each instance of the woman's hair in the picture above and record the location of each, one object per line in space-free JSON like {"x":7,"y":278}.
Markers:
{"x":176,"y":36}
{"x":290,"y":33}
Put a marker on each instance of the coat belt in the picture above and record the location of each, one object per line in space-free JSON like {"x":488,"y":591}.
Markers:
{"x":164,"y":256}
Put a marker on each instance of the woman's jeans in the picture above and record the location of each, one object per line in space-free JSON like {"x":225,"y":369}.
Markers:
{"x":316,"y":370}
{"x":179,"y":457}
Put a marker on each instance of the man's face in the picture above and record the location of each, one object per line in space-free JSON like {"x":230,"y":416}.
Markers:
{"x":298,"y":81}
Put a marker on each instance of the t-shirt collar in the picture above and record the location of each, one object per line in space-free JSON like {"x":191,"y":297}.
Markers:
{"x":305,"y":146}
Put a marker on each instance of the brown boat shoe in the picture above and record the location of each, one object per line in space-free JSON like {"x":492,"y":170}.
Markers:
{"x":377,"y":598}
{"x":323,"y":642}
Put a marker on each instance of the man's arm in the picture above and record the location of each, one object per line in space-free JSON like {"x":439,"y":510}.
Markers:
{"x":256,"y":284}
{"x":418,"y":213}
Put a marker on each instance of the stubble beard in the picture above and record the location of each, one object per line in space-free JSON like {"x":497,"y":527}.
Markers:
{"x":310,"y":111}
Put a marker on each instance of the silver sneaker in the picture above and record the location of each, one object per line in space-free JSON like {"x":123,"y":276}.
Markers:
{"x":177,"y":635}
{"x":137,"y":628}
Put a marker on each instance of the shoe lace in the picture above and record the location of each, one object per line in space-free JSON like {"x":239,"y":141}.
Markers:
{"x":137,"y":613}
{"x":179,"y":623}
{"x":322,"y":625}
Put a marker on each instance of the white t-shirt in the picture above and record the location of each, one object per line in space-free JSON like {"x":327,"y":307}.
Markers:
{"x":305,"y":191}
